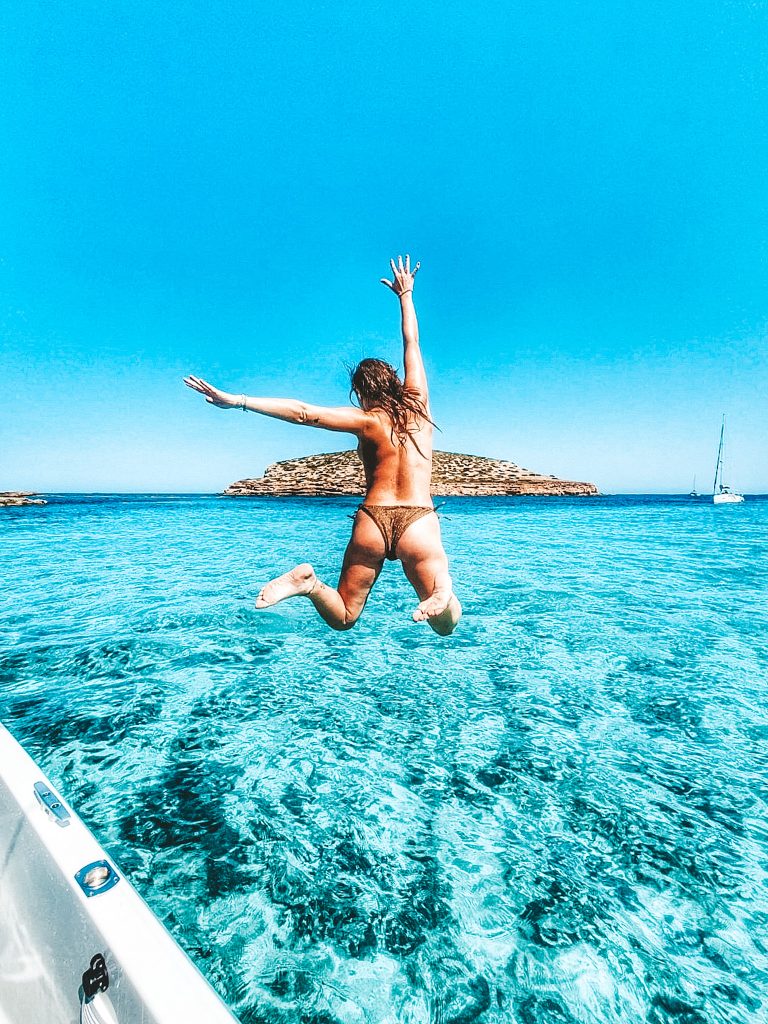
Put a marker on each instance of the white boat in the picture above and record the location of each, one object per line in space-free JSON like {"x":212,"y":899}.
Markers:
{"x":727,"y":497}
{"x":77,"y":942}
{"x":722,"y":493}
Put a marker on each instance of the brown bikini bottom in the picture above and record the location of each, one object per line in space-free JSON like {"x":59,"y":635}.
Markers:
{"x":393,"y":521}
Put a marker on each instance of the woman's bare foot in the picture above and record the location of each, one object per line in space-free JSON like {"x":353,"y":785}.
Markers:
{"x":434,"y":605}
{"x":299,"y":582}
{"x":441,"y":610}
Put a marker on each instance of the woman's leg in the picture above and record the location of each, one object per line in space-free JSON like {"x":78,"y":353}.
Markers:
{"x":425,"y":564}
{"x":340,"y":608}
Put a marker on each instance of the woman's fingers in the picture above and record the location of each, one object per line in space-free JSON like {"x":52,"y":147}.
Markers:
{"x":403,"y":268}
{"x":388,"y":283}
{"x":199,"y":385}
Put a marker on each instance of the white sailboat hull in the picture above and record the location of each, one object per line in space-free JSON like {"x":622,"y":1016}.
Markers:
{"x":51,"y":930}
{"x":727,"y":499}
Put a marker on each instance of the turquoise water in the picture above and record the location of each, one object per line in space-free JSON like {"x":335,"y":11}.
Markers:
{"x":557,"y":815}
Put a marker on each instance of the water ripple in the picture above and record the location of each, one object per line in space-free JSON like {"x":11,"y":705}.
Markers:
{"x":555,"y":817}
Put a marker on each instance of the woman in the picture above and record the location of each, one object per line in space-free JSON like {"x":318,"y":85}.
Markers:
{"x":397,"y":519}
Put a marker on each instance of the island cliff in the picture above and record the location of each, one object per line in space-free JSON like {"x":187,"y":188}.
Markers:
{"x":339,"y":473}
{"x":10,"y":499}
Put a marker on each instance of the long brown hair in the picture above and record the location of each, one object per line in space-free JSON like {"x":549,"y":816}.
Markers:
{"x":376,"y":385}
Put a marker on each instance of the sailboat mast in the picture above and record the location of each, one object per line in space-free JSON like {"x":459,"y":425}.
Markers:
{"x":718,"y":464}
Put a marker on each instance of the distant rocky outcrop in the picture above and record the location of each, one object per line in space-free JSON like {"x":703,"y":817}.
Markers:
{"x":339,"y":473}
{"x":9,"y":498}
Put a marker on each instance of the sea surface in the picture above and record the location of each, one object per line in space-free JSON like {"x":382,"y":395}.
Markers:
{"x":556,"y":815}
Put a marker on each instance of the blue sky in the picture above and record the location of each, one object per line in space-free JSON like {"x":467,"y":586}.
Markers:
{"x":217,"y":189}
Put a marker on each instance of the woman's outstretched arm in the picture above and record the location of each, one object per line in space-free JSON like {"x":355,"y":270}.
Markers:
{"x":344,"y":418}
{"x":402,"y":286}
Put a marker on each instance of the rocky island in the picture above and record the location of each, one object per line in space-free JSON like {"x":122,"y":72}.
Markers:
{"x":15,"y":498}
{"x":341,"y":473}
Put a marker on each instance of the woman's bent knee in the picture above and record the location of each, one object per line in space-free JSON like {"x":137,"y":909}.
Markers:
{"x":345,"y":625}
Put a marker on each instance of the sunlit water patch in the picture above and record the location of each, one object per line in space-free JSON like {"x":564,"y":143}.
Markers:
{"x":557,"y":815}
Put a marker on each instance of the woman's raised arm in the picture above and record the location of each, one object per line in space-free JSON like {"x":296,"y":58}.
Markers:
{"x":402,"y":286}
{"x":344,"y":418}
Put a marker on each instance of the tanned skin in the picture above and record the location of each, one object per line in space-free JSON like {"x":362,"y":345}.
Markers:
{"x":396,"y":474}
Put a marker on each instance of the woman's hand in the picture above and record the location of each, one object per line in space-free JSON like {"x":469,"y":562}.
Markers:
{"x":403,"y":275}
{"x":221,"y":399}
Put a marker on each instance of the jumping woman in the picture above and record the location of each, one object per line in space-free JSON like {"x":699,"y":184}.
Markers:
{"x":397,"y":519}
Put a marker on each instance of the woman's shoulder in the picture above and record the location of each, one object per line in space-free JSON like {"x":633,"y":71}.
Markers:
{"x":377,"y":420}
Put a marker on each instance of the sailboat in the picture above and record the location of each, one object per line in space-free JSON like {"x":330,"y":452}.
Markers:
{"x":693,"y":493}
{"x":722,"y":494}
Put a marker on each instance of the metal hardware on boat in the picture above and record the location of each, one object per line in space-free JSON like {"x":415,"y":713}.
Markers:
{"x":97,"y":877}
{"x":96,"y":978}
{"x":96,"y":1008}
{"x":52,"y":805}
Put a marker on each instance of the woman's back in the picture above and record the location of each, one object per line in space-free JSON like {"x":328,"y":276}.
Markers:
{"x":396,"y":473}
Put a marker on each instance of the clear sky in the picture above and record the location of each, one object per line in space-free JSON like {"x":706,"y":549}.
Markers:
{"x":216,"y":188}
